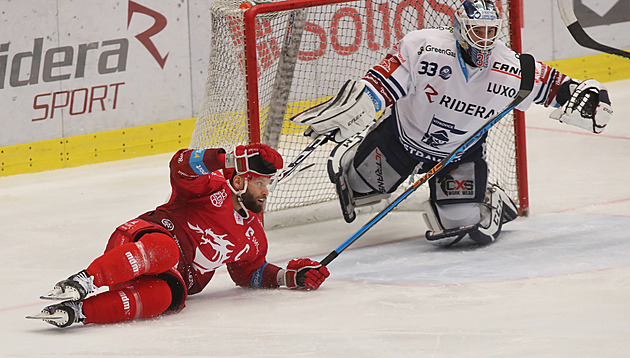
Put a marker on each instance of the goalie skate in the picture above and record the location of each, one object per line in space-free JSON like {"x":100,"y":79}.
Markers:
{"x":74,"y":288}
{"x":62,"y":314}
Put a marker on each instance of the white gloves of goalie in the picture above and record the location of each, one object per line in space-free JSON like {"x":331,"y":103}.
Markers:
{"x":347,"y":113}
{"x":588,"y":107}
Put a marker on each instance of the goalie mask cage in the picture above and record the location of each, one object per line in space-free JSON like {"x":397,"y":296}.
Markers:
{"x":269,"y":61}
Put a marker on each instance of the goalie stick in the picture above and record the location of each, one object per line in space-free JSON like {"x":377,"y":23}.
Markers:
{"x":578,"y":33}
{"x":528,"y":70}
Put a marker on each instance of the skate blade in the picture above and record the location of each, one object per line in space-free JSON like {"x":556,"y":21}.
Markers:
{"x":44,"y":316}
{"x":71,"y":295}
{"x":60,"y":297}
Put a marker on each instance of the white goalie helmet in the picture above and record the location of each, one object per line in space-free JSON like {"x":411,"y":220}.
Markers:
{"x":476,"y":26}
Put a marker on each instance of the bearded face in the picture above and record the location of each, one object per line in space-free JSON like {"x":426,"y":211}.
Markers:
{"x":252,"y":202}
{"x":256,"y":194}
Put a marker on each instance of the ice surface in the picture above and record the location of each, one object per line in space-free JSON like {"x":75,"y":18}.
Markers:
{"x":556,"y":284}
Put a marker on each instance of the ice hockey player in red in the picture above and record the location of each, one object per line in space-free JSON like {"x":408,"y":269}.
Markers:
{"x":152,"y":263}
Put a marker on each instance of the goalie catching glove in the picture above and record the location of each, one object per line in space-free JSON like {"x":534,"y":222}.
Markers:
{"x":588,"y":107}
{"x":303,"y":273}
{"x":347,"y":113}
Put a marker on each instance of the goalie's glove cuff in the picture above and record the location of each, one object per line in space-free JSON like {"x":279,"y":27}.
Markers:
{"x":588,"y":107}
{"x":304,"y":274}
{"x":347,"y":113}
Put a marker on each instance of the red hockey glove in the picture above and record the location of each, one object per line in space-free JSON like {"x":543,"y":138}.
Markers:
{"x":255,"y":158}
{"x":304,"y":273}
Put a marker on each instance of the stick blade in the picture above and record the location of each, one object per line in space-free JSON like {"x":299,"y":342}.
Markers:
{"x":528,"y":74}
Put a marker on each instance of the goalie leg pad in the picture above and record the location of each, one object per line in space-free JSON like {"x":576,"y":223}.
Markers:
{"x":449,"y":224}
{"x":338,"y":165}
{"x":496,"y":210}
{"x":463,"y":182}
{"x":381,"y":161}
{"x":366,"y":170}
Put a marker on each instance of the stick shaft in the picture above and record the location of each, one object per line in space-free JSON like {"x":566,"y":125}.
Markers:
{"x":578,"y":33}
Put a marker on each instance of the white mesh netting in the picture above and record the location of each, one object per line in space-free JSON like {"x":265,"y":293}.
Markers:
{"x":304,"y":56}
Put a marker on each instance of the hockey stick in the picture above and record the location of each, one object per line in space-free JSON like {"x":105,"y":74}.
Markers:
{"x":291,"y":168}
{"x":578,"y":33}
{"x":528,"y":70}
{"x":316,"y":143}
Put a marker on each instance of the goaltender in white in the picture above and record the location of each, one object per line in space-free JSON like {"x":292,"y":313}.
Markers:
{"x":437,"y":87}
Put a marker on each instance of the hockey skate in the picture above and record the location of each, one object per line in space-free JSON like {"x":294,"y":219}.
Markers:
{"x":61,"y":314}
{"x":74,"y":288}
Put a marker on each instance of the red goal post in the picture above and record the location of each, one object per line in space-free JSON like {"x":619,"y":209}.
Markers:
{"x":275,"y":59}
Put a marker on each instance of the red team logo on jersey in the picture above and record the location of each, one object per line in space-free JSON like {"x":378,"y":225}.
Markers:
{"x":218,"y":198}
{"x":221,"y":248}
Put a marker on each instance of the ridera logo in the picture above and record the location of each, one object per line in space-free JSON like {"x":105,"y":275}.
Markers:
{"x":159,"y":23}
{"x":50,"y":64}
{"x":60,"y":63}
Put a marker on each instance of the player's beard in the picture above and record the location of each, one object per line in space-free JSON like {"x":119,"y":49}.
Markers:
{"x":251,"y":203}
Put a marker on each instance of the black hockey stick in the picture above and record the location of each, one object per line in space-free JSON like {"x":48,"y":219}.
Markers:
{"x":320,"y":140}
{"x":528,"y":70}
{"x":578,"y":33}
{"x":293,"y":166}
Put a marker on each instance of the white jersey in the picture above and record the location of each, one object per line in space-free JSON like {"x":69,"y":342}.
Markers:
{"x":439,"y":100}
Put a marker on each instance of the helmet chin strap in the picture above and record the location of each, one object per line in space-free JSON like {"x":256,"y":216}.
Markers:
{"x":239,"y":198}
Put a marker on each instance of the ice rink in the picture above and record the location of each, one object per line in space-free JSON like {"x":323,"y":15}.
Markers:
{"x":556,"y":284}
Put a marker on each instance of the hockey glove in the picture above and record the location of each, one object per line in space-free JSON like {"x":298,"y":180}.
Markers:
{"x":303,"y":273}
{"x":588,"y":107}
{"x":350,"y":111}
{"x":256,"y":157}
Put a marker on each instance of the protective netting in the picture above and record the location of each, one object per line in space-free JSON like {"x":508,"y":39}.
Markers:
{"x":304,"y":57}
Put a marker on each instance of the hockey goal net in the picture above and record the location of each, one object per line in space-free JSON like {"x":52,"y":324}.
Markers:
{"x":269,"y":61}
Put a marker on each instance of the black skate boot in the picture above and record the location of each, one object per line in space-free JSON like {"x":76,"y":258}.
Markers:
{"x":74,"y":288}
{"x":61,"y":314}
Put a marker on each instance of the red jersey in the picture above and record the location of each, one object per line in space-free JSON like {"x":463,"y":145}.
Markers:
{"x":208,"y":230}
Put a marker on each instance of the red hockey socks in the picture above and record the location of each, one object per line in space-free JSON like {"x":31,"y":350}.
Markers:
{"x":154,"y":253}
{"x":144,"y":297}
